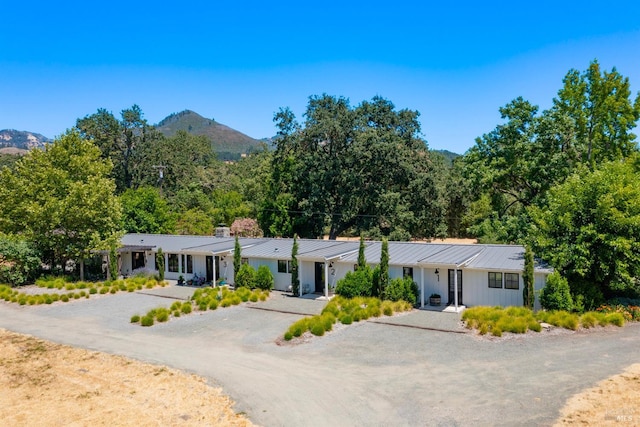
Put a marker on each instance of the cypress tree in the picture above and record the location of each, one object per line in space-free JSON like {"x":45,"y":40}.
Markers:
{"x":295,"y":279}
{"x":237,"y":257}
{"x":384,"y":266}
{"x":528,"y":296}
{"x":160,"y":264}
{"x":362,"y":261}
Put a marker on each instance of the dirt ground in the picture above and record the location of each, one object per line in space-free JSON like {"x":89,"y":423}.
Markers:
{"x":55,"y":385}
{"x":49,"y":384}
{"x":614,"y":401}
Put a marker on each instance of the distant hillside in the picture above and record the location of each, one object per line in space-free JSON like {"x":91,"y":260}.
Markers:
{"x":448,"y":155}
{"x":228,"y":143}
{"x":22,"y":139}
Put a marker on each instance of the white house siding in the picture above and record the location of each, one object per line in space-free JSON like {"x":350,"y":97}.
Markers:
{"x":433,"y":284}
{"x":125,"y":259}
{"x":540,"y":280}
{"x":476,"y":290}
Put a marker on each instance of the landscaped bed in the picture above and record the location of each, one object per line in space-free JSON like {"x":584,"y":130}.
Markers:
{"x":519,"y":320}
{"x":202,"y":300}
{"x":346,"y":311}
{"x":61,"y":290}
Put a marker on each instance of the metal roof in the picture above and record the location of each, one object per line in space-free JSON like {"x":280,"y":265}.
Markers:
{"x":223,"y":245}
{"x":481,"y":257}
{"x":454,"y":255}
{"x":168,"y":242}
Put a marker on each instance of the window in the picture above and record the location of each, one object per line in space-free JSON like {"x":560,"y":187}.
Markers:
{"x":244,"y":260}
{"x":495,"y":280}
{"x":407,"y":272}
{"x":511,"y":281}
{"x":173,"y":263}
{"x":283,"y":266}
{"x":187,"y":264}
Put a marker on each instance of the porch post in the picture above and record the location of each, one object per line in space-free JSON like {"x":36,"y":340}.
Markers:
{"x":455,"y":288}
{"x":214,"y":271}
{"x":300,"y":278}
{"x":421,"y":287}
{"x":326,"y":279}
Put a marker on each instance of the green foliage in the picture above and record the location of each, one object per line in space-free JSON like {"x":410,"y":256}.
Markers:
{"x":383,"y":280}
{"x":295,"y":279}
{"x":362,"y":260}
{"x":147,"y":320}
{"x":264,"y":278}
{"x":186,"y":307}
{"x":121,"y":141}
{"x":61,"y":199}
{"x":528,"y":295}
{"x":404,"y":289}
{"x":19,"y":261}
{"x":145,"y":211}
{"x":246,"y":277}
{"x":556,"y":295}
{"x":194,"y":222}
{"x":356,"y":283}
{"x":497,"y":320}
{"x":513,"y":167}
{"x":363,"y":169}
{"x":589,"y":231}
{"x":237,"y":258}
{"x":160,"y":264}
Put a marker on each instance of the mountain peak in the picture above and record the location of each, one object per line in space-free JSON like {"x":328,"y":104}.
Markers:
{"x":22,"y":139}
{"x":228,"y":143}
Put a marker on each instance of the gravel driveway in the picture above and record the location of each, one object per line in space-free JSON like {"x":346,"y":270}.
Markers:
{"x":368,"y":373}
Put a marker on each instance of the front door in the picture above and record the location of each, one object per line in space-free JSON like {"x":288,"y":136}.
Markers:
{"x":451,"y":287}
{"x":320,"y":277}
{"x":209,"y":263}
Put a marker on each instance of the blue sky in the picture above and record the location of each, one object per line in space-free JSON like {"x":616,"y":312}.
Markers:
{"x":239,"y":63}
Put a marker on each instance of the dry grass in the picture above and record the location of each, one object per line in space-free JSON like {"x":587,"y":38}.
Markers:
{"x":614,"y":401}
{"x":49,"y":384}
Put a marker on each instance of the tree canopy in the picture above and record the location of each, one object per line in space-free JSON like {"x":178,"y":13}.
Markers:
{"x":61,"y":199}
{"x":361,"y":169}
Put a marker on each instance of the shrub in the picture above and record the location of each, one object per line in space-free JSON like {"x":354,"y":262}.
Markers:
{"x":176,"y":313}
{"x":64,"y":298}
{"x":186,"y":308}
{"x":92,"y":290}
{"x":246,"y":277}
{"x":345,"y":319}
{"x":264,"y":278}
{"x":356,"y":283}
{"x":104,"y":290}
{"x":162,"y":316}
{"x":213,"y":304}
{"x":146,"y":320}
{"x":288,"y":336}
{"x":253,"y":297}
{"x":404,"y":289}
{"x":614,"y":319}
{"x":387,"y":308}
{"x":243,"y":293}
{"x":135,"y":318}
{"x":556,"y":295}
{"x":317,"y":329}
{"x":299,"y":327}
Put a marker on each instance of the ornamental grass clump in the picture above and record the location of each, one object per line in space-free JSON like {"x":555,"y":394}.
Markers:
{"x":517,"y":320}
{"x":135,"y":318}
{"x":146,"y":320}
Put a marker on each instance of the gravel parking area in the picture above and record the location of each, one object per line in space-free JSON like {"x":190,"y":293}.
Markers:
{"x":369,"y":373}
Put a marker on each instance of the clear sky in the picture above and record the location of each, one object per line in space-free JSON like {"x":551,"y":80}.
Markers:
{"x":239,"y":62}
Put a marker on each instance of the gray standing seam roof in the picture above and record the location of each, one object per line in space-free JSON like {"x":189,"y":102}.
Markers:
{"x":481,"y":257}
